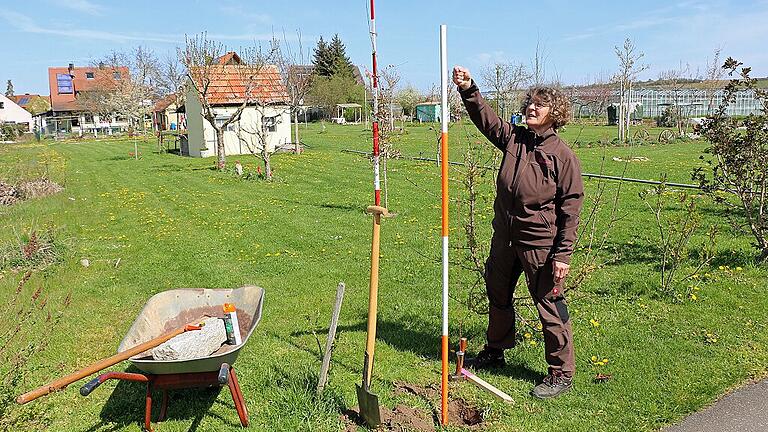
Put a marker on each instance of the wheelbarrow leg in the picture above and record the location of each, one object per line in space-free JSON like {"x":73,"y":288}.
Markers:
{"x":163,"y":407}
{"x":227,"y":375}
{"x":148,"y":408}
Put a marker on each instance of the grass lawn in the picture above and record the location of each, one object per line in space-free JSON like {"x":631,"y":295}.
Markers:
{"x":173,"y":222}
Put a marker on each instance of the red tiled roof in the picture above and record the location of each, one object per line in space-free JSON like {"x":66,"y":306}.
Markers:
{"x":163,"y":103}
{"x":228,"y":84}
{"x":229,"y":58}
{"x":19,"y":98}
{"x":103,"y":78}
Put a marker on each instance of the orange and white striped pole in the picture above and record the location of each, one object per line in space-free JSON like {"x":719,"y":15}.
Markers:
{"x":375,"y":123}
{"x":444,"y":117}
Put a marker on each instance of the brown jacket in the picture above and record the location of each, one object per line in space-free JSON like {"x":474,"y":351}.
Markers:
{"x":539,"y":191}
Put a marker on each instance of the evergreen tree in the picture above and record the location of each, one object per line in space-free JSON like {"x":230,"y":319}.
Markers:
{"x":322,"y":60}
{"x":9,"y":89}
{"x":338,"y":54}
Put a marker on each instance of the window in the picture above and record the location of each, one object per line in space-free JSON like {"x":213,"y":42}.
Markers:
{"x":270,"y":124}
{"x":89,"y":75}
{"x":230,"y":127}
{"x":2,"y":105}
{"x":116,"y":75}
{"x":64,"y":83}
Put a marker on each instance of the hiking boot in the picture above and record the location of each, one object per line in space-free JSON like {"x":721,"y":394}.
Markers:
{"x":487,"y":358}
{"x":553,"y":385}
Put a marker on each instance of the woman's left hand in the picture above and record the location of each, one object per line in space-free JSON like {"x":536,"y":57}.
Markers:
{"x":560,"y":270}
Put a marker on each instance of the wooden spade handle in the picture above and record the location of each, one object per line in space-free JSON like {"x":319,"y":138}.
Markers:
{"x":99,"y":365}
{"x":373,"y":292}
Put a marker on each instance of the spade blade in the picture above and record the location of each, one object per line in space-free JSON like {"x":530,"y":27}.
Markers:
{"x":369,"y":406}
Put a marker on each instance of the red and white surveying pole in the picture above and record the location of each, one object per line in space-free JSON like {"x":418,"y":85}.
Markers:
{"x":375,"y":120}
{"x":444,"y":113}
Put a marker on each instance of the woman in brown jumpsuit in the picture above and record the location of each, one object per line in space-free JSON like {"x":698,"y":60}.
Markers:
{"x":539,"y":194}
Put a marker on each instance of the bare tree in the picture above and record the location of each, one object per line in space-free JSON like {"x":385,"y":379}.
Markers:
{"x":256,"y":138}
{"x":125,"y":84}
{"x":629,"y":69}
{"x":215,"y":78}
{"x":297,"y":77}
{"x":539,"y":64}
{"x":675,"y":81}
{"x":505,"y":79}
{"x":592,"y":98}
{"x":712,"y":81}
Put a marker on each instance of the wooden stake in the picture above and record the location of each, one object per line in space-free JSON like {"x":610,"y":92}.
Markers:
{"x":476,"y":380}
{"x":331,"y":337}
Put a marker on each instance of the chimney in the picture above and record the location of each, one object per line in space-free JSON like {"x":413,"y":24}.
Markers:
{"x":71,"y":66}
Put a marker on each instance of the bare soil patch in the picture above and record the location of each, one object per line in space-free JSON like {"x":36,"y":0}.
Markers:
{"x":405,"y":418}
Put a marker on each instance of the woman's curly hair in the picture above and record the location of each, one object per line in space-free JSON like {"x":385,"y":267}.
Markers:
{"x":554,"y":98}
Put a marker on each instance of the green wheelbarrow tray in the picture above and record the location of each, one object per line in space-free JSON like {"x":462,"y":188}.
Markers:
{"x":172,"y":309}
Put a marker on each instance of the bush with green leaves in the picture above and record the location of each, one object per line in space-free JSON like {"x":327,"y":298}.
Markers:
{"x":739,"y":152}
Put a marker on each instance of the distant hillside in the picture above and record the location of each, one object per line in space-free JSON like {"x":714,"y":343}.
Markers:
{"x":687,"y":83}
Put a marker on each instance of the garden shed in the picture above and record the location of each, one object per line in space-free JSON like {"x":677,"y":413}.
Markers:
{"x":428,"y":112}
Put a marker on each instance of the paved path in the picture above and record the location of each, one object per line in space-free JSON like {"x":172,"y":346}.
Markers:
{"x":744,"y":410}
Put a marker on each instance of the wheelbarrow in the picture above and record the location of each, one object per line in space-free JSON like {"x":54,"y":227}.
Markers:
{"x":173,"y":309}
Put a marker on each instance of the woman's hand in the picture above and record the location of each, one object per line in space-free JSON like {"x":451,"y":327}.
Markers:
{"x":560,"y":271}
{"x":462,"y":77}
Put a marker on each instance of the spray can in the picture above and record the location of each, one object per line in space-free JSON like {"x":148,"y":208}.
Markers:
{"x":231,"y":313}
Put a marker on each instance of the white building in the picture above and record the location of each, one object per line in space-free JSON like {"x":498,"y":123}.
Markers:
{"x":266,"y":123}
{"x":10,"y":112}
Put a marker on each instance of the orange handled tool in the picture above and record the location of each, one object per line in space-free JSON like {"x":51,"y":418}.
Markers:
{"x":100,"y":365}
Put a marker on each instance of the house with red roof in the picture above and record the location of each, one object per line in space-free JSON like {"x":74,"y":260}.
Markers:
{"x":10,"y":112}
{"x":74,"y":92}
{"x":34,"y":103}
{"x":228,"y":84}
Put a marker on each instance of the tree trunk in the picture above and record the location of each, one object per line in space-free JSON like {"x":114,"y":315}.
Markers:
{"x":221,"y":161}
{"x":297,"y":141}
{"x":267,"y":165}
{"x":628,"y":112}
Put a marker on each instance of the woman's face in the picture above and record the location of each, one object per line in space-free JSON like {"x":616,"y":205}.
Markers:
{"x":537,"y":114}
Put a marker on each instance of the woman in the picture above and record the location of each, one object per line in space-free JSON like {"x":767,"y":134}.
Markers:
{"x":539,"y":193}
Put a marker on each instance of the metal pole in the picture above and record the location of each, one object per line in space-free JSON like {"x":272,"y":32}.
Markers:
{"x":375,"y":127}
{"x":444,"y":185}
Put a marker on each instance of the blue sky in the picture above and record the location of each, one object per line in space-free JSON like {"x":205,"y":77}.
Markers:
{"x":578,"y":37}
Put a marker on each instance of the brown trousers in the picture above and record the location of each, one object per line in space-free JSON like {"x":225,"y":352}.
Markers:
{"x":502,"y":270}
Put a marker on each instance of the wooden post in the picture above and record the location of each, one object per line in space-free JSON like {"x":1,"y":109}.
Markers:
{"x":331,"y":336}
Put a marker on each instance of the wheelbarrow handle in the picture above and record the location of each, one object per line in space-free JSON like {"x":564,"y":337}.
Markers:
{"x":223,"y":376}
{"x":100,"y":365}
{"x":91,"y":385}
